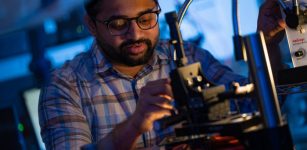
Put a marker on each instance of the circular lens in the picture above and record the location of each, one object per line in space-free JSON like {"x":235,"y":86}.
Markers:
{"x":118,"y":26}
{"x":147,"y":21}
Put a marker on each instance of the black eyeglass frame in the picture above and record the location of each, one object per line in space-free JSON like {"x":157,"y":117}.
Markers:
{"x":107,"y":21}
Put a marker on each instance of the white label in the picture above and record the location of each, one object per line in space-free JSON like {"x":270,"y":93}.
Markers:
{"x":297,"y":38}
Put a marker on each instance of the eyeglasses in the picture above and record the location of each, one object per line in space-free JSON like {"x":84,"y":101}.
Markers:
{"x":120,"y":26}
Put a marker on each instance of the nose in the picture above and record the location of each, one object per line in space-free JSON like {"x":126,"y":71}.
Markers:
{"x":134,"y":32}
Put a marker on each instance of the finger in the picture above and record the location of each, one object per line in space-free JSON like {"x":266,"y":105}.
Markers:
{"x":163,"y":101}
{"x":169,"y":98}
{"x":156,"y":113}
{"x":271,"y":29}
{"x":269,"y":23}
{"x":282,"y":23}
{"x":275,"y":31}
{"x":162,"y":89}
{"x":165,"y":106}
{"x":159,"y":82}
{"x":160,"y":102}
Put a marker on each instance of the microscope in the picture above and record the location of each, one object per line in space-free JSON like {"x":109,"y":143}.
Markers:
{"x":197,"y":100}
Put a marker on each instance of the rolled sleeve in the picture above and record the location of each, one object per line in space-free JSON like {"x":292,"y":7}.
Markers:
{"x":63,"y":124}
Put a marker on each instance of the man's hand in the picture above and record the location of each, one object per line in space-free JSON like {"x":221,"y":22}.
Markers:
{"x":270,"y":22}
{"x":154,"y":103}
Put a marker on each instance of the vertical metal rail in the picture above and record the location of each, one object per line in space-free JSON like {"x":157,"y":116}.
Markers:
{"x":260,"y":68}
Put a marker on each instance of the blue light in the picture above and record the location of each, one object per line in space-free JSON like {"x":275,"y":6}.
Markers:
{"x":50,"y":26}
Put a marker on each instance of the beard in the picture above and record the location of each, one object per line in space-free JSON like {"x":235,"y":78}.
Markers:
{"x":121,"y":55}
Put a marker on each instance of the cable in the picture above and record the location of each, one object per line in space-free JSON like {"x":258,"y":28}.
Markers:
{"x":183,"y":10}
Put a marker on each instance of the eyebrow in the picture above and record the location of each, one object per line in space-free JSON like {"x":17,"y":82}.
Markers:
{"x":138,"y":14}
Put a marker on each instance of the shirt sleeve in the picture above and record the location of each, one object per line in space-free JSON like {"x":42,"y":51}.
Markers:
{"x":63,"y":124}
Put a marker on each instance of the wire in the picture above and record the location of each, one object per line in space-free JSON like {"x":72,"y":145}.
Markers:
{"x":235,"y":17}
{"x":183,"y":10}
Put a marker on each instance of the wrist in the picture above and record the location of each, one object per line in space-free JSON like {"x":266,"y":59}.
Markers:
{"x":135,"y":124}
{"x":123,"y":136}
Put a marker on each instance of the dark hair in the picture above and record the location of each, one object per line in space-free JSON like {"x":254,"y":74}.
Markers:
{"x":92,"y":9}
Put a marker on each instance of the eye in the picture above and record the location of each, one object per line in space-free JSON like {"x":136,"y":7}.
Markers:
{"x":146,"y":19}
{"x":118,"y":24}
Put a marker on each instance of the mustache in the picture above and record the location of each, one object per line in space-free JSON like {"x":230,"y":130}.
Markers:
{"x":131,"y":42}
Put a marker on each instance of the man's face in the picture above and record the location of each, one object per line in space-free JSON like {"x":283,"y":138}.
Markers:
{"x":134,"y":47}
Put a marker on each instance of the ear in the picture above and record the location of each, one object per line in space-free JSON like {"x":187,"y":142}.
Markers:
{"x":90,"y":25}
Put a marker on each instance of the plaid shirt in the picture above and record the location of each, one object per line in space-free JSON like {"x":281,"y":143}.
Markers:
{"x":86,"y":98}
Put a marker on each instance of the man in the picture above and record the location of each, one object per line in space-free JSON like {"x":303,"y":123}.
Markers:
{"x":112,"y":94}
